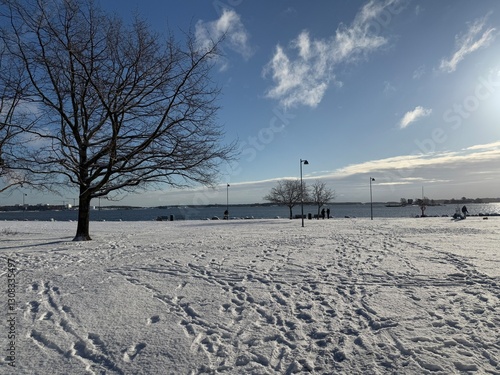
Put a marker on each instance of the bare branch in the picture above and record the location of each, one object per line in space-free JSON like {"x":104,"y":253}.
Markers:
{"x":288,"y":193}
{"x":321,"y":194}
{"x":120,"y":108}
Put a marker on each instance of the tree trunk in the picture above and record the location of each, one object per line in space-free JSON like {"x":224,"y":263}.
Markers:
{"x":83,"y":229}
{"x":291,"y":216}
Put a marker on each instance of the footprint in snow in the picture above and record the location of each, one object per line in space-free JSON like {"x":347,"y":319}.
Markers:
{"x":153,"y":319}
{"x":132,"y":352}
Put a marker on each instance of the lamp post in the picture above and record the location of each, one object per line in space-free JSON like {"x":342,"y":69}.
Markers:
{"x":227,"y":201}
{"x":305,"y":162}
{"x":24,"y":205}
{"x":371,"y":198}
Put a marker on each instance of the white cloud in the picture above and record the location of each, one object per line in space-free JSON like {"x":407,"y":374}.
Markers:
{"x":415,"y":115}
{"x":398,"y":164}
{"x":419,"y":72}
{"x":229,"y":27}
{"x":358,"y":39}
{"x":477,"y":36}
{"x":447,"y":171}
{"x":444,"y":174}
{"x":493,"y":145}
{"x":303,"y":79}
{"x":388,"y":87}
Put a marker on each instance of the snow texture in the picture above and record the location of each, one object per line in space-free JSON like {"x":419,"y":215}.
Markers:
{"x":342,"y":296}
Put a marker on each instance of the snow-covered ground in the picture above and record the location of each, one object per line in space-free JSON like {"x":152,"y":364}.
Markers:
{"x":342,"y":296}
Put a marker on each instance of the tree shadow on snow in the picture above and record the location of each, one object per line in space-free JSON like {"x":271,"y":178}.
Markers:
{"x":58,"y":242}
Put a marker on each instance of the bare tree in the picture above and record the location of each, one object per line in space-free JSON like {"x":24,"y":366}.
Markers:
{"x":121,"y":108}
{"x":12,"y":85}
{"x":321,"y":194}
{"x":287,"y":193}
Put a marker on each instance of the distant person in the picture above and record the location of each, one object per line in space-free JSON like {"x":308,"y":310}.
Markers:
{"x":464,"y":212}
{"x":226,"y":215}
{"x":323,"y":213}
{"x":328,"y":213}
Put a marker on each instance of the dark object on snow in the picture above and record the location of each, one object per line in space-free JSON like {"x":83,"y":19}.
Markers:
{"x":464,"y":212}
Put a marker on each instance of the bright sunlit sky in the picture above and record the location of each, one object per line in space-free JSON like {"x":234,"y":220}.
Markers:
{"x":406,"y":92}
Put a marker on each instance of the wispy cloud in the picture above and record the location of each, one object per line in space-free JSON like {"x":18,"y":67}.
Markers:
{"x":418,"y":10}
{"x":415,"y":115}
{"x":477,"y":36}
{"x":452,"y":170}
{"x":487,"y":146}
{"x":456,"y":160}
{"x":304,"y":71}
{"x":419,"y":72}
{"x":229,"y":27}
{"x":448,"y":168}
{"x":444,"y":173}
{"x":388,"y":87}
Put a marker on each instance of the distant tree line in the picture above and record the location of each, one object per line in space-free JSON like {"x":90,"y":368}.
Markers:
{"x":41,"y":207}
{"x":463,"y":200}
{"x":466,"y":200}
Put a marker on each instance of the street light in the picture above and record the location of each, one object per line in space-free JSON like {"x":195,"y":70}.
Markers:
{"x":74,"y":201}
{"x":371,"y":198}
{"x":24,"y":205}
{"x":227,"y":201}
{"x":305,"y":162}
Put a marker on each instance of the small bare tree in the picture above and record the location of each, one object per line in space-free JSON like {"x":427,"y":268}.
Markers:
{"x":121,"y":108}
{"x":321,"y":194}
{"x":288,"y":193}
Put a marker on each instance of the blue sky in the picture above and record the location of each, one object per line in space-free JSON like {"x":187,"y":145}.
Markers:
{"x":406,"y":92}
